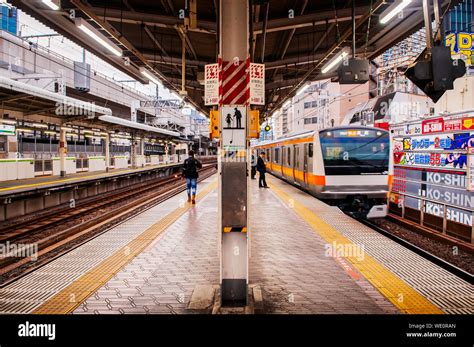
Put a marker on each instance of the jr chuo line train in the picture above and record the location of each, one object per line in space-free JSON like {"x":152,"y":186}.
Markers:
{"x":349,"y":167}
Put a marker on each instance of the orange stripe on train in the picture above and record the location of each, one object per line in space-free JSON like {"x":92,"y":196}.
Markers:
{"x":311,"y":179}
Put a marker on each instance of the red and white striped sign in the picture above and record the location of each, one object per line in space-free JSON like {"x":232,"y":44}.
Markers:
{"x":234,"y":86}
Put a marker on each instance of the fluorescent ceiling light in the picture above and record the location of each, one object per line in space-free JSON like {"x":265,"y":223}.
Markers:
{"x":334,"y":61}
{"x":175,"y":96}
{"x":8,"y":121}
{"x":302,"y":89}
{"x":287,"y":103}
{"x":25,"y":130}
{"x":51,"y":4}
{"x":40,"y":125}
{"x":150,"y":76}
{"x":393,"y":10}
{"x":82,"y":24}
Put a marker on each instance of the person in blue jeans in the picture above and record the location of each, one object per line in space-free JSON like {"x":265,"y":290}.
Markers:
{"x":190,"y":171}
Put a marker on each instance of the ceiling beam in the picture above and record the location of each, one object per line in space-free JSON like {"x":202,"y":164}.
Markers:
{"x":333,"y":49}
{"x":307,"y":20}
{"x":170,"y":22}
{"x":58,"y":20}
{"x":289,"y":37}
{"x":15,"y":97}
{"x":151,"y":36}
{"x":256,"y":15}
{"x":396,"y":31}
{"x":112,"y":31}
{"x":208,"y":27}
{"x":292,"y":32}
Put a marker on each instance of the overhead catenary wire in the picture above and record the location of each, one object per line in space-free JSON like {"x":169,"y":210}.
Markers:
{"x":335,"y":99}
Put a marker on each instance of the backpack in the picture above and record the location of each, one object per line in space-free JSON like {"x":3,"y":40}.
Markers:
{"x":190,"y":168}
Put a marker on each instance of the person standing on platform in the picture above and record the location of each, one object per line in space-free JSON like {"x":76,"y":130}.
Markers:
{"x":190,"y":171}
{"x":261,"y":171}
{"x":253,"y":164}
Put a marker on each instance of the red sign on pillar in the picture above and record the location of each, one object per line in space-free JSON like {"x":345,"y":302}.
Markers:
{"x":234,"y":82}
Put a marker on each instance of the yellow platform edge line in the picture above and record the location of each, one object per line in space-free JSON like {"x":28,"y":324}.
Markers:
{"x":69,"y":298}
{"x":405,"y":298}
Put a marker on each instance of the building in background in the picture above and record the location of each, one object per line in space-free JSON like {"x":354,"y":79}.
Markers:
{"x":460,"y":18}
{"x":9,"y":19}
{"x":322,"y":104}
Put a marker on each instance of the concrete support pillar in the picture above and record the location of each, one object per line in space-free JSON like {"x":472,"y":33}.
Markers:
{"x":107,"y":152}
{"x":62,"y":152}
{"x":233,"y":180}
{"x":166,"y":158}
{"x":133,"y":153}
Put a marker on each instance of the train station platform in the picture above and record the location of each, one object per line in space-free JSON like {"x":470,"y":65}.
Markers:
{"x":25,"y":186}
{"x":305,"y":257}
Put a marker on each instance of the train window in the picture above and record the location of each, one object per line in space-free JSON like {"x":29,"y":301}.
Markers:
{"x":277,"y":155}
{"x":310,"y":150}
{"x":355,"y":152}
{"x":288,"y":157}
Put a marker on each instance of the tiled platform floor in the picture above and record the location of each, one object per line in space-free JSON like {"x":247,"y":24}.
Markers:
{"x":287,"y":260}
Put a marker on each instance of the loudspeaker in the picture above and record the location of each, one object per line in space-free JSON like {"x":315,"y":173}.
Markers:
{"x":354,"y":71}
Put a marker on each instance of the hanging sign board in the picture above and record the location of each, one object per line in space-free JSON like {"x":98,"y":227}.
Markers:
{"x":6,"y":129}
{"x":211,"y":84}
{"x":257,"y":84}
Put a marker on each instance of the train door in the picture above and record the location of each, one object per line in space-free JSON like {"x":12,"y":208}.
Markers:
{"x":305,"y":163}
{"x":281,"y":158}
{"x":295,"y":162}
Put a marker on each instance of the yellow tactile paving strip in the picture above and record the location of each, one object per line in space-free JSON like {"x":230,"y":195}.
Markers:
{"x":400,"y":294}
{"x":70,"y":297}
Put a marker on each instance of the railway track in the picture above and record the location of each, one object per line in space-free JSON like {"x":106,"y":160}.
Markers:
{"x":55,"y":234}
{"x":420,"y":251}
{"x":465,"y":275}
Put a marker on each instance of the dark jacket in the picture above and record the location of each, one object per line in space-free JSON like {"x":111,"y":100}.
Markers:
{"x":261,"y":165}
{"x":191,"y":167}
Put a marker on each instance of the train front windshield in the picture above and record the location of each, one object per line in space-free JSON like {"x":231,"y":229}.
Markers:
{"x":355,"y":151}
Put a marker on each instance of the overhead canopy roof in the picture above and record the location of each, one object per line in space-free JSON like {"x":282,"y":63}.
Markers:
{"x":19,"y":96}
{"x":295,"y":49}
{"x":41,"y":98}
{"x":134,"y":125}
